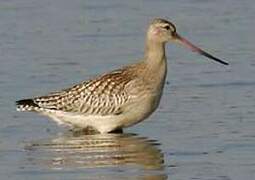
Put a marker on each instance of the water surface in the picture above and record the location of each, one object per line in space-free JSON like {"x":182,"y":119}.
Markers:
{"x":204,"y":127}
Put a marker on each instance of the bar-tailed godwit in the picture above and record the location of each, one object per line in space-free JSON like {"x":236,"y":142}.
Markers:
{"x":120,"y":98}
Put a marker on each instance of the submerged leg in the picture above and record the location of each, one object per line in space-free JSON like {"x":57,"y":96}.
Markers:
{"x":91,"y":131}
{"x":117,"y":131}
{"x":84,"y":131}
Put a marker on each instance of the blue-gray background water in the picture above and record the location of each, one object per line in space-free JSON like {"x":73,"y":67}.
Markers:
{"x":204,"y":127}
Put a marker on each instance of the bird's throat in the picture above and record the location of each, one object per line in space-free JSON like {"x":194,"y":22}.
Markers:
{"x":154,"y":54}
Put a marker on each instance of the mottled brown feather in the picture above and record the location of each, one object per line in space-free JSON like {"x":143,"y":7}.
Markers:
{"x":104,"y":95}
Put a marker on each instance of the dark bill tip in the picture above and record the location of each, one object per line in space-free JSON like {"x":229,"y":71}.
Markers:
{"x":212,"y":57}
{"x":194,"y":48}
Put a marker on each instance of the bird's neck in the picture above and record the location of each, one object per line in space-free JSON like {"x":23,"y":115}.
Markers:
{"x":155,"y":68}
{"x":154,"y":54}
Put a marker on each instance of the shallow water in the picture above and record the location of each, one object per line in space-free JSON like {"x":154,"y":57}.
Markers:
{"x":204,"y":127}
{"x":111,"y":154}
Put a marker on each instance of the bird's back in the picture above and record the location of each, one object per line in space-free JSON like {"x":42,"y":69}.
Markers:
{"x":103,"y":95}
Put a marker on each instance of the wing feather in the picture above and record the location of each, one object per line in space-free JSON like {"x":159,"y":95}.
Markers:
{"x":103,"y":95}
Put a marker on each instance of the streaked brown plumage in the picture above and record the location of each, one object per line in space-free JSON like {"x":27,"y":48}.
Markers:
{"x":102,"y":95}
{"x":120,"y":98}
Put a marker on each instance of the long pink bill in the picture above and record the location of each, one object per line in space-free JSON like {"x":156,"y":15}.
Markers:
{"x":189,"y":45}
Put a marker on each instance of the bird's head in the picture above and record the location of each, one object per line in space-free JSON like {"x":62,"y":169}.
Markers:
{"x":163,"y":31}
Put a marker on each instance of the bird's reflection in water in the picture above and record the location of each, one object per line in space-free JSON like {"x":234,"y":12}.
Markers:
{"x":112,"y":152}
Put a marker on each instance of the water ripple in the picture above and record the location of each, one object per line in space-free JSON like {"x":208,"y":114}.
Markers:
{"x":94,"y":152}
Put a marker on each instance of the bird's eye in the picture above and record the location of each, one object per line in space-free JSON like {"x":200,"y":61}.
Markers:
{"x":167,"y":27}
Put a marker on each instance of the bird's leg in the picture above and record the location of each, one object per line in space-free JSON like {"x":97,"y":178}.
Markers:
{"x":117,"y":131}
{"x":84,"y":131}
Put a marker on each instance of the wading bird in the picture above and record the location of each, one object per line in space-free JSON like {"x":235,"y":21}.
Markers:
{"x":120,"y":98}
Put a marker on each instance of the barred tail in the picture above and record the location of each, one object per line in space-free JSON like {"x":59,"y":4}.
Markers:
{"x":26,"y":105}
